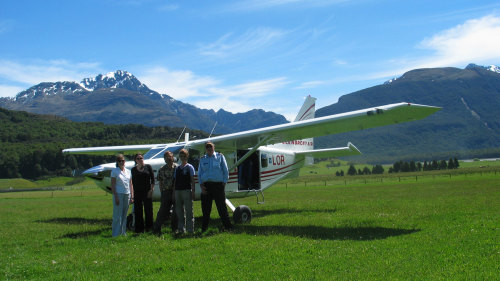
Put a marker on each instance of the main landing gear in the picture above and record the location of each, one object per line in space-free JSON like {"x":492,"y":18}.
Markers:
{"x":242,"y":214}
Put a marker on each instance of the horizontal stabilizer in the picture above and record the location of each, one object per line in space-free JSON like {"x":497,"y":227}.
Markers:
{"x":349,"y":150}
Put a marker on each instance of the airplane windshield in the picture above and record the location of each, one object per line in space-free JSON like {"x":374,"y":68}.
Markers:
{"x":159,"y":151}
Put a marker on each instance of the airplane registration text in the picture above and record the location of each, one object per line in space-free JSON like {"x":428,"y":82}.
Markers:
{"x":277,"y":160}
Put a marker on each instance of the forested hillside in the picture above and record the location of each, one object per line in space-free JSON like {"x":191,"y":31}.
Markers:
{"x":31,"y":144}
{"x":467,"y":126}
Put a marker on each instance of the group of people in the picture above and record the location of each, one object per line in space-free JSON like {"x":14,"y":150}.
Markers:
{"x":177,"y":186}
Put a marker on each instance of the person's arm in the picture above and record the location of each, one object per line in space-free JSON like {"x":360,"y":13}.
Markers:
{"x":131,"y":191}
{"x":200,"y":177}
{"x":113,"y":190}
{"x":159,"y":177}
{"x":173,"y":185}
{"x":225,"y":172}
{"x":152,"y":176}
{"x":192,"y":182}
{"x":151,"y":180}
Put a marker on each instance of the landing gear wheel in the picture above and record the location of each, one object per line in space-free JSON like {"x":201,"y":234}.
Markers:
{"x":242,"y":214}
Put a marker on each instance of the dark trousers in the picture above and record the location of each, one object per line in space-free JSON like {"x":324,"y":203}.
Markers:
{"x":164,"y":212}
{"x":141,"y":201}
{"x":215,"y":191}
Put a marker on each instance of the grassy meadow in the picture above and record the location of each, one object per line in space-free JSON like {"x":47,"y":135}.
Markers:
{"x":435,"y":228}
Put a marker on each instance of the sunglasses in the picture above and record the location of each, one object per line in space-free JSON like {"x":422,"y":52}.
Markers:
{"x":139,"y":158}
{"x":121,"y":161}
{"x":209,"y":146}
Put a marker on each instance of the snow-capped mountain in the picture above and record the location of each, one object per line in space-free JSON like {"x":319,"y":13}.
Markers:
{"x":120,"y":98}
{"x":492,"y":68}
{"x":49,"y":89}
{"x":113,"y":80}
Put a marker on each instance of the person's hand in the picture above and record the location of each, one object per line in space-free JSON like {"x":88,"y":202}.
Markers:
{"x":150,"y":193}
{"x":117,"y":201}
{"x":131,"y":201}
{"x":203,"y":189}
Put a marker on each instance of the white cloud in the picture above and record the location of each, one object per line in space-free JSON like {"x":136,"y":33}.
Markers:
{"x":9,"y":91}
{"x":249,"y":42}
{"x":208,"y":92}
{"x":475,"y":41}
{"x":250,"y":90}
{"x":169,"y":7}
{"x":45,"y":71}
{"x":310,"y":84}
{"x":179,"y":84}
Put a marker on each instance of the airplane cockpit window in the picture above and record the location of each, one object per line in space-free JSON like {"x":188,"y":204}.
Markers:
{"x":153,"y":152}
{"x":263,"y":160}
{"x":158,"y":152}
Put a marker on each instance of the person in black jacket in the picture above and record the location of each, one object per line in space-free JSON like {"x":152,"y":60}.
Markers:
{"x":143,"y":180}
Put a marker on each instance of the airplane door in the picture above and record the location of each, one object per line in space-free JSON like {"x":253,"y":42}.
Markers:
{"x":249,"y":171}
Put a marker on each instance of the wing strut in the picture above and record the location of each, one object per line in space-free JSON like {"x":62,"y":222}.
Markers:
{"x":250,"y":152}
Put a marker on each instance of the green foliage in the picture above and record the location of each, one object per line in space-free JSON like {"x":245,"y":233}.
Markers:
{"x":402,"y":166}
{"x":32,"y":144}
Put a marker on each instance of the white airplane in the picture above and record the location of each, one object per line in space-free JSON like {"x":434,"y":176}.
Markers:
{"x":259,"y":158}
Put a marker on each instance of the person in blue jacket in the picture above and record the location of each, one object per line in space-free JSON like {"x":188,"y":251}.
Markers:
{"x":213,"y":176}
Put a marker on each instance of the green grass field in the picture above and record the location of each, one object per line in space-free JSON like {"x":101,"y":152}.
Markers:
{"x":437,"y":228}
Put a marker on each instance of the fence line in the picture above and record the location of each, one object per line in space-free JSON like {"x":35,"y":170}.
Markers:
{"x":338,"y":181}
{"x":351,"y":180}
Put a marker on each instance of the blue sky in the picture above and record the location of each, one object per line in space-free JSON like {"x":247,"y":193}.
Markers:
{"x":240,"y":55}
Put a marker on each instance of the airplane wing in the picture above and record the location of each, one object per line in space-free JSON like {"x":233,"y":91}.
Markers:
{"x":327,"y":125}
{"x":111,"y":150}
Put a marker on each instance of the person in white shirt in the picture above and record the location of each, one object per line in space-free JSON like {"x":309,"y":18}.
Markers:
{"x":122,"y":188}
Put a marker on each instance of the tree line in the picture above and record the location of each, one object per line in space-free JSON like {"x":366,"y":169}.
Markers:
{"x":32,"y":144}
{"x":403,"y":166}
{"x":377,"y":169}
{"x":412,"y":166}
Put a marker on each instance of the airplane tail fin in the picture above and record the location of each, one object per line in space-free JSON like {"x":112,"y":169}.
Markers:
{"x":307,"y":111}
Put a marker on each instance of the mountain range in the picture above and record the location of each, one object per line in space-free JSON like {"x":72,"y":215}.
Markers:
{"x":469,"y":119}
{"x":120,"y":98}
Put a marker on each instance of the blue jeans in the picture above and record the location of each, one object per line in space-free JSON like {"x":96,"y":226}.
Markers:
{"x":184,"y":204}
{"x":119,"y":226}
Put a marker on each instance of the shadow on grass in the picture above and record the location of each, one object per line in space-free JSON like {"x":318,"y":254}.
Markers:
{"x":325,"y":233}
{"x":84,"y":234}
{"x":81,"y":221}
{"x":77,"y":221}
{"x":263,"y":213}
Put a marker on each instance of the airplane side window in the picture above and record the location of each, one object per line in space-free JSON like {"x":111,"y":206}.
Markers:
{"x":153,"y":152}
{"x":263,"y":160}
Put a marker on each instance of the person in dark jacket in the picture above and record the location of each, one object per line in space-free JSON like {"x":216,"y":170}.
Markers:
{"x":143,"y":180}
{"x":184,"y":193}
